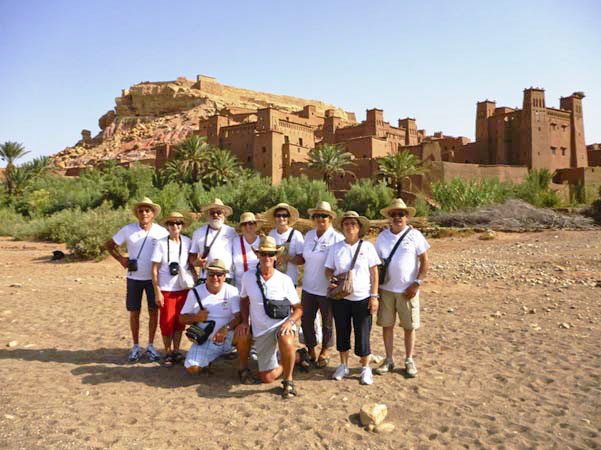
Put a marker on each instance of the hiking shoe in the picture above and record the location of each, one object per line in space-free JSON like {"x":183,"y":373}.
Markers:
{"x":410,"y":368}
{"x":386,"y":367}
{"x":366,"y":376}
{"x":152,"y":354}
{"x":341,"y":372}
{"x":135,"y":353}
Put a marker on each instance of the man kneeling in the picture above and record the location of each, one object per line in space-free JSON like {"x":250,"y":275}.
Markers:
{"x":215,"y":301}
{"x":269,"y":298}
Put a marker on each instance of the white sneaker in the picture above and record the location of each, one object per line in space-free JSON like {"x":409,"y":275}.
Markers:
{"x":341,"y":372}
{"x":135,"y":353}
{"x":366,"y":376}
{"x":410,"y":368}
{"x":152,"y":354}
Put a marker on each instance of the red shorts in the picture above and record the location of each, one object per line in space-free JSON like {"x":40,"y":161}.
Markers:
{"x":173,"y":302}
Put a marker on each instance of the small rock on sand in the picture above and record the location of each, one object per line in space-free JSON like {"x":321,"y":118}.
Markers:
{"x":386,"y":427}
{"x":373,"y":413}
{"x":16,"y":285}
{"x":12,"y":344}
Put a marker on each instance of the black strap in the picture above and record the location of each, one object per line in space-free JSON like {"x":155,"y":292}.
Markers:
{"x":179,"y":257}
{"x":197,"y":298}
{"x":387,"y":260}
{"x":290,"y":236}
{"x":356,"y":254}
{"x":207,"y":248}
{"x":145,"y":237}
{"x":260,"y":283}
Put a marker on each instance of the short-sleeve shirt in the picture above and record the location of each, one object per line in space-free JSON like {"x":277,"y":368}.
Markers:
{"x":278,"y":287}
{"x":340,"y":258}
{"x":222,"y":247}
{"x":251,"y":258}
{"x":133,"y":235}
{"x":168,"y":282}
{"x":403,"y":269}
{"x":295,"y":248}
{"x":315,"y":251}
{"x":221,"y":306}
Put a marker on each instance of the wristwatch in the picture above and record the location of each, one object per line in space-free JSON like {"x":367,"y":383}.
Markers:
{"x":375,"y":295}
{"x":418,"y":281}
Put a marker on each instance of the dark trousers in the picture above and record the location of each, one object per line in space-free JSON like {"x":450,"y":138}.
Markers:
{"x":311,"y":303}
{"x":349,"y":313}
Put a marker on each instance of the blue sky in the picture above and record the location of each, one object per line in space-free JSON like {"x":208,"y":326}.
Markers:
{"x":64,"y":62}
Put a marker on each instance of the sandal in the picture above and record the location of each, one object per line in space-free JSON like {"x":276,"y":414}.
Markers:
{"x":289,"y":389}
{"x":178,"y":357}
{"x":305,"y":362}
{"x":168,"y":360}
{"x":247,"y":377}
{"x":322,"y":362}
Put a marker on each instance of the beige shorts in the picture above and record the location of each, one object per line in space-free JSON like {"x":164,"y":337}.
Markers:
{"x":392,"y":303}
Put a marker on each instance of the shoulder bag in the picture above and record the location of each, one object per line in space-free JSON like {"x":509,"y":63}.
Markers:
{"x":197,"y":332}
{"x":344,"y":281}
{"x":275,"y":309}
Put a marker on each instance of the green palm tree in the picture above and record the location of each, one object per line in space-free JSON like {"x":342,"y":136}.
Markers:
{"x":17,"y":180}
{"x":193,"y":153}
{"x":330,"y":160}
{"x":222,"y":166}
{"x":39,"y":166}
{"x":395,"y":168}
{"x":175,"y":170}
{"x":10,"y":152}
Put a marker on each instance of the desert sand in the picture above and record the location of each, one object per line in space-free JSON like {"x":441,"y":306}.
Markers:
{"x":508,"y":357}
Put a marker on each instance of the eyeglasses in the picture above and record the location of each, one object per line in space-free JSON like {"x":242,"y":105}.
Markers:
{"x":144,"y":210}
{"x":268,"y":254}
{"x":352,"y":223}
{"x":320,"y":216}
{"x":282,"y":216}
{"x":216,"y":212}
{"x":397,"y":214}
{"x":249,"y":223}
{"x":175,"y":223}
{"x":215,"y":274}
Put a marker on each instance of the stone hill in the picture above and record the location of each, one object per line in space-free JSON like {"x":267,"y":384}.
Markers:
{"x":151,"y":114}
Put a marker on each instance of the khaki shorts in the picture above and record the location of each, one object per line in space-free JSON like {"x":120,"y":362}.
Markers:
{"x":393,"y":303}
{"x":267,"y":349}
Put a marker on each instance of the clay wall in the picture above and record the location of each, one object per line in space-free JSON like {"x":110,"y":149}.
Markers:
{"x":446,"y":171}
{"x":240,"y":140}
{"x":368,"y":147}
{"x":594,"y":155}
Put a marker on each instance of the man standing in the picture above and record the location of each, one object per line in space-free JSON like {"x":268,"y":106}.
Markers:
{"x":213,"y":240}
{"x":139,"y":238}
{"x":404,"y":253}
{"x":269,"y":298}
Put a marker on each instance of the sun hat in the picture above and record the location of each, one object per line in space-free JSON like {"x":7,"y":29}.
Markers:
{"x":175,"y":217}
{"x":146,"y":202}
{"x":249,"y":217}
{"x":270,"y":213}
{"x":217,"y":265}
{"x":398,"y":203}
{"x":267,"y":244}
{"x":363,"y":221}
{"x":323,"y":208}
{"x":218,"y":204}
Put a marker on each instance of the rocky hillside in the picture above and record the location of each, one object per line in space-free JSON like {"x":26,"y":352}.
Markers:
{"x":152,"y":114}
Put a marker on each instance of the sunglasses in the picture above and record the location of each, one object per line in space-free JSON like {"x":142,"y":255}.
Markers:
{"x":215,"y":274}
{"x":216,"y":212}
{"x":397,"y":214}
{"x":269,"y":254}
{"x":249,"y":223}
{"x":282,"y":216}
{"x":144,"y":210}
{"x":175,"y":223}
{"x":320,"y":216}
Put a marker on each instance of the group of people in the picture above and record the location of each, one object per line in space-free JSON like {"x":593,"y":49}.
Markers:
{"x":236,"y":288}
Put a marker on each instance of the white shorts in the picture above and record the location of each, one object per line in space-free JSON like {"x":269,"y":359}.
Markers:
{"x":205,"y":354}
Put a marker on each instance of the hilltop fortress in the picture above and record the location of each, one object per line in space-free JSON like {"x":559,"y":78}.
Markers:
{"x":273,"y":134}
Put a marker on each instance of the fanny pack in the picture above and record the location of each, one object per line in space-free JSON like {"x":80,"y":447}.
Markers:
{"x":275,"y":309}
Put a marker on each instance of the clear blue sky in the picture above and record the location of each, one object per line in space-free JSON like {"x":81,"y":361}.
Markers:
{"x":64,"y":62}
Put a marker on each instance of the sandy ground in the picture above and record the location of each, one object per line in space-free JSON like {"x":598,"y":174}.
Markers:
{"x":508,"y":357}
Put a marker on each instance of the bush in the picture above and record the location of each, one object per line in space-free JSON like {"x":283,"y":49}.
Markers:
{"x":368,"y":198}
{"x":303,"y":193}
{"x":10,"y":221}
{"x":464,"y":194}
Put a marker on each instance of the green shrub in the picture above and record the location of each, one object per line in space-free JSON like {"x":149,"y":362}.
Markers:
{"x":367,"y":198}
{"x":10,"y":221}
{"x":463,"y":194}
{"x":303,"y":193}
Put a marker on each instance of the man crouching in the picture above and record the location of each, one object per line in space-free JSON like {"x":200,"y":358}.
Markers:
{"x":214,"y":307}
{"x":270,"y":299}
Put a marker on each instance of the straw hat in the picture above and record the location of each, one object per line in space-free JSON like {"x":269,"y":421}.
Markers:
{"x":267,"y":244}
{"x":249,"y":217}
{"x":217,"y":265}
{"x":218,"y":204}
{"x":146,"y":202}
{"x":270,"y":213}
{"x":398,"y":203}
{"x":363,"y":221}
{"x":323,"y":208}
{"x":175,"y":217}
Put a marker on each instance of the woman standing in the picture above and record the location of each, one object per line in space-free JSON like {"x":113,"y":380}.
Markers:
{"x":283,"y":217}
{"x":315,"y":285}
{"x":355,"y":310}
{"x":244,"y":257}
{"x":169,"y":258}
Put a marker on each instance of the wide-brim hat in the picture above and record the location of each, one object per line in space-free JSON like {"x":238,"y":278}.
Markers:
{"x":249,"y":217}
{"x":146,"y":202}
{"x":398,"y":203}
{"x":363,"y":221}
{"x":270,"y":213}
{"x":176,"y":217}
{"x":323,"y":208}
{"x":267,"y":244}
{"x":217,"y":265}
{"x":218,"y":204}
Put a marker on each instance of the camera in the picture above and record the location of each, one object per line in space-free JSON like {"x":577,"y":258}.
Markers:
{"x":132,"y":265}
{"x":174,"y":268}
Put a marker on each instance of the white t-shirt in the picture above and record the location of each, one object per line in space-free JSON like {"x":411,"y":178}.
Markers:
{"x":221,"y":249}
{"x":340,"y":258}
{"x":221,"y":306}
{"x":315,"y":251}
{"x":251,"y":258}
{"x":168,"y":282}
{"x":278,"y":287}
{"x":133,"y":235}
{"x":295,"y":248}
{"x":402,"y":270}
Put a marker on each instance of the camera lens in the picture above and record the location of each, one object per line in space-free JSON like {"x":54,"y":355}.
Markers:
{"x":173,"y":268}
